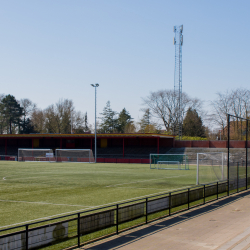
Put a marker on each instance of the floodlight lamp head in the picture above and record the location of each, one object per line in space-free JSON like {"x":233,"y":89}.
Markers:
{"x":97,"y":84}
{"x":92,"y":85}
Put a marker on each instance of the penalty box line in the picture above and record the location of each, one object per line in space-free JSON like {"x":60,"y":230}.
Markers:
{"x":45,"y":203}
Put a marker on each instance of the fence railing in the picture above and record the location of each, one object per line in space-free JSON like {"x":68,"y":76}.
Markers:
{"x":84,"y":227}
{"x":238,"y":162}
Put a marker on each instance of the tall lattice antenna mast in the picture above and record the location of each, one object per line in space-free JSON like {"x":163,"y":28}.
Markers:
{"x":178,"y":42}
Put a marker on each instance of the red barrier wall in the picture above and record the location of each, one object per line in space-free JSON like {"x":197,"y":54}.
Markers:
{"x":237,"y":144}
{"x":217,"y":144}
{"x":183,"y":144}
{"x":210,"y":144}
{"x":118,"y":160}
{"x":123,"y":160}
{"x":200,"y":144}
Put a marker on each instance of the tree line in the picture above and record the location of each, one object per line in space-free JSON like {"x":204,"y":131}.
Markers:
{"x":162,"y":107}
{"x":23,"y":117}
{"x":159,"y":115}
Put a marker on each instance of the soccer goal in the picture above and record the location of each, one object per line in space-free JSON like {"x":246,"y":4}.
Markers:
{"x":169,"y":161}
{"x":31,"y":154}
{"x":74,"y":155}
{"x":211,"y":167}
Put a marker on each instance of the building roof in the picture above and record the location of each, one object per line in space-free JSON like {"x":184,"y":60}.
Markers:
{"x":72,"y":136}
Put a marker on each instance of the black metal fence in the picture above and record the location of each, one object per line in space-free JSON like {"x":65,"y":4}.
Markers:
{"x":81,"y":228}
{"x":238,"y":153}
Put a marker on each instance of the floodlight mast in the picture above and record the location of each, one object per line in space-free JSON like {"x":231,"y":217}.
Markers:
{"x":95,"y":86}
{"x":178,"y":42}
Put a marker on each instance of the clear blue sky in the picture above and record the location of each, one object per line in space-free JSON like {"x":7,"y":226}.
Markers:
{"x":56,"y":49}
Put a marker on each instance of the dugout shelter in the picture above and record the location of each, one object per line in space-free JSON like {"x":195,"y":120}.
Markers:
{"x":108,"y":145}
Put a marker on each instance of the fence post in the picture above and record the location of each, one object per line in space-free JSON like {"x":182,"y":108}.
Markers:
{"x":146,"y":210}
{"x":217,"y":190}
{"x":237,"y":177}
{"x":228,"y":146}
{"x":27,"y":236}
{"x":204,"y":200}
{"x":246,"y":152}
{"x":188,"y":198}
{"x":78,"y":230}
{"x":117,"y":224}
{"x":169,"y":197}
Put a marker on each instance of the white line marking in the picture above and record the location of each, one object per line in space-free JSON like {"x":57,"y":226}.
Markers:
{"x":45,"y":203}
{"x":141,"y":188}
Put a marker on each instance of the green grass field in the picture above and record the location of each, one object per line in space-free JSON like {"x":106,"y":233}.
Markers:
{"x":33,"y":190}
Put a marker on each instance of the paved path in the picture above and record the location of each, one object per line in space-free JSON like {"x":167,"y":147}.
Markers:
{"x":221,"y":225}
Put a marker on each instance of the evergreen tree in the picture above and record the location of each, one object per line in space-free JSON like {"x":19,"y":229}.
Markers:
{"x":109,"y":120}
{"x":26,"y":127}
{"x":86,"y":124}
{"x":192,"y":124}
{"x":145,"y":121}
{"x":12,"y":112}
{"x":124,"y":119}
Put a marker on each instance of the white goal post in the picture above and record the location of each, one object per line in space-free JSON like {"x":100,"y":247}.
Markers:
{"x":74,"y":155}
{"x":211,"y":167}
{"x":35,"y":154}
{"x":169,"y":161}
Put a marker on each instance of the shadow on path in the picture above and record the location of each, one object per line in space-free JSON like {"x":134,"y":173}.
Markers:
{"x":149,"y":229}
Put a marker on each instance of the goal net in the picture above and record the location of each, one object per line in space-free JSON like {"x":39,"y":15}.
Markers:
{"x":169,"y":161}
{"x":29,"y":154}
{"x":74,"y":155}
{"x":211,"y":167}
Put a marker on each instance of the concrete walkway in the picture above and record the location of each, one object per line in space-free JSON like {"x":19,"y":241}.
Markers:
{"x":221,"y":225}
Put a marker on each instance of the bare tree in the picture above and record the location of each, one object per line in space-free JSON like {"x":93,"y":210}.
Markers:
{"x":58,"y":117}
{"x":162,"y":106}
{"x":28,"y":107}
{"x":240,"y":102}
{"x":235,"y":102}
{"x":38,"y":119}
{"x":221,"y":107}
{"x":51,"y":120}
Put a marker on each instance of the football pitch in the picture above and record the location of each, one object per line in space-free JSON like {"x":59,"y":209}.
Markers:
{"x":33,"y":190}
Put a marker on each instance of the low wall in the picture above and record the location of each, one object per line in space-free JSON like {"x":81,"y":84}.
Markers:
{"x":238,"y":144}
{"x":120,"y":160}
{"x":210,"y":144}
{"x":217,"y":144}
